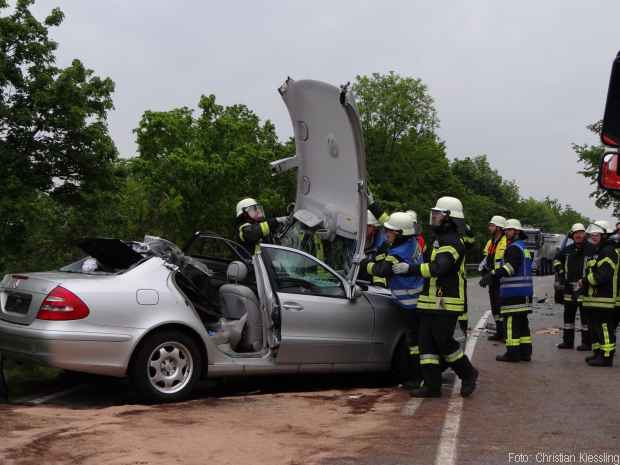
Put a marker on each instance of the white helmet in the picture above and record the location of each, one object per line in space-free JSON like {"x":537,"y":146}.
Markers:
{"x":599,"y":227}
{"x":513,"y":223}
{"x":413,"y":214}
{"x":245,"y":203}
{"x":400,"y":221}
{"x":450,"y":206}
{"x":371,"y":219}
{"x":577,"y":227}
{"x":498,"y":221}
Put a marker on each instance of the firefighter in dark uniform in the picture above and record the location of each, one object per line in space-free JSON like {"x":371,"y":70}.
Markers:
{"x":600,"y":292}
{"x":389,"y":268}
{"x":442,"y":301}
{"x":569,"y":263}
{"x":516,"y":290}
{"x":251,"y":226}
{"x":493,"y":260}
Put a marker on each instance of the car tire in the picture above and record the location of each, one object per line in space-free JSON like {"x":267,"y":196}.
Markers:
{"x":400,"y":367}
{"x":166,"y":366}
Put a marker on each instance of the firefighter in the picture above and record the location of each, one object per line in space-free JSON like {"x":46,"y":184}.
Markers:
{"x":569,"y":264}
{"x":375,"y":238}
{"x":442,"y":301}
{"x":469,"y":241}
{"x":493,"y":260}
{"x":389,"y":267}
{"x":252,"y":227}
{"x":516,"y":290}
{"x":600,"y":292}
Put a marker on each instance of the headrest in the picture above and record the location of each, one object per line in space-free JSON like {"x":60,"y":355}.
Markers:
{"x":236,"y":271}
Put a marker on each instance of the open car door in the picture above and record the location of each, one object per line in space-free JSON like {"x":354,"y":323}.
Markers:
{"x":331,"y":168}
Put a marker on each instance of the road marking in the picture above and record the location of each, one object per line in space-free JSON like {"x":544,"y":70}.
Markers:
{"x":47,"y":398}
{"x":446,"y":452}
{"x":410,"y":407}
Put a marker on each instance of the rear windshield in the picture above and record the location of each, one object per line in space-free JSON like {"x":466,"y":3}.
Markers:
{"x":89,"y":265}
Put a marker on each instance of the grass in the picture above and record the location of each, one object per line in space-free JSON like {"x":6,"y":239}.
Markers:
{"x":26,"y":378}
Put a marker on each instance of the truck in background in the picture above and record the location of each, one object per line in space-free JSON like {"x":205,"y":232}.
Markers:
{"x":543,"y":247}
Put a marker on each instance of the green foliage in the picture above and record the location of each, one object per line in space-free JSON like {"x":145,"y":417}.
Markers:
{"x":57,"y":155}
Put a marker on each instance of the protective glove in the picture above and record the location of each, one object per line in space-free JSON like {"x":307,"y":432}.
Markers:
{"x":382,"y":269}
{"x":283,"y":219}
{"x":486,"y":280}
{"x":371,"y":198}
{"x":400,"y":268}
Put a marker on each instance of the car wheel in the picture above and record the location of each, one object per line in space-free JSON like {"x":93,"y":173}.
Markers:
{"x":401,"y":366}
{"x":166,"y":366}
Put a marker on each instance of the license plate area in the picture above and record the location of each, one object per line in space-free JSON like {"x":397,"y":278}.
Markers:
{"x":17,"y":302}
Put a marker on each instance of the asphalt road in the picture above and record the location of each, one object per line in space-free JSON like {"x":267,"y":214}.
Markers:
{"x":521,"y":413}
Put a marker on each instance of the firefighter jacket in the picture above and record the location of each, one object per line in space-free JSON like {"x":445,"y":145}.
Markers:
{"x":405,"y":288}
{"x":494,"y":252}
{"x":516,"y":286}
{"x":444,"y":270}
{"x":252,"y":233}
{"x":601,"y":278}
{"x":570,"y":264}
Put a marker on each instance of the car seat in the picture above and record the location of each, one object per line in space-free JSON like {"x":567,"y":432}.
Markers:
{"x":241,"y":311}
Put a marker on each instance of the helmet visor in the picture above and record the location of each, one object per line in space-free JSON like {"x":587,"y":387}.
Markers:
{"x":437,"y":216}
{"x":255,"y":212}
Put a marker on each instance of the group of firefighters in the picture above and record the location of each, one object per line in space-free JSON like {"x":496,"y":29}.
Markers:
{"x":426,"y":277}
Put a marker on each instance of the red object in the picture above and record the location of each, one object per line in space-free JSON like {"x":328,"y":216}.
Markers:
{"x":62,"y":305}
{"x":421,"y":242}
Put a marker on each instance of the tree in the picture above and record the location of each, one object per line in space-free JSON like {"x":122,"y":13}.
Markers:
{"x":191,"y":171}
{"x":54,"y":142}
{"x":407,"y":163}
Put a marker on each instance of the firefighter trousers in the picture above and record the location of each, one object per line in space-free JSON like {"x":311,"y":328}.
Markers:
{"x":413,"y":330}
{"x":437,"y":343}
{"x":602,"y":327}
{"x":495,"y":306}
{"x":518,"y":335}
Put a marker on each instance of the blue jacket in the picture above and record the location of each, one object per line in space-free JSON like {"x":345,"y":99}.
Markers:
{"x":406,"y":288}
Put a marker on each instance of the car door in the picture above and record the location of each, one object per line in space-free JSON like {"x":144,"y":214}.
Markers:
{"x":319,"y":324}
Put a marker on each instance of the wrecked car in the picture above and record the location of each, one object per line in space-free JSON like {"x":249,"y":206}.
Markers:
{"x":166,"y":317}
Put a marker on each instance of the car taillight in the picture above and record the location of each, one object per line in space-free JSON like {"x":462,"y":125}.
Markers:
{"x":62,"y":305}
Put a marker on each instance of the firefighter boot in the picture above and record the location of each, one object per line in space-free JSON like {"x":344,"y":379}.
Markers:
{"x":568,"y":340}
{"x":513,"y":354}
{"x":601,"y":361}
{"x":431,"y":387}
{"x":593,"y":356}
{"x":468,"y":374}
{"x":415,"y":375}
{"x":525,"y":351}
{"x":586,"y":342}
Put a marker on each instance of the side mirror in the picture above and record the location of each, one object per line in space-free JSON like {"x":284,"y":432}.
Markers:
{"x":610,"y":133}
{"x":609,"y":173}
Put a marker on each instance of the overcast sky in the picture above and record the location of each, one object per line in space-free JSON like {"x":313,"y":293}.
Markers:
{"x":517,"y":81}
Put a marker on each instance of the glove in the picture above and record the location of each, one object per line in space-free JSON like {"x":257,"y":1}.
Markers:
{"x":382,"y":269}
{"x":486,"y":280}
{"x":400,"y":268}
{"x":282,"y":219}
{"x":371,"y":198}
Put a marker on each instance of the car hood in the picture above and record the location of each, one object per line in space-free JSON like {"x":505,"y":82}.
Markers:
{"x":330,"y":157}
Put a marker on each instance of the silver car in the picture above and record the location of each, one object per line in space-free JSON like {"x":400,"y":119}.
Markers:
{"x":166,"y":318}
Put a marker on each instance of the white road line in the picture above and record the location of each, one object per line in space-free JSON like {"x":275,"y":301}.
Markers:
{"x":47,"y":398}
{"x":446,"y":451}
{"x":410,"y":407}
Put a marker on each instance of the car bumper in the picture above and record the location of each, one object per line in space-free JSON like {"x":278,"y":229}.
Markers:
{"x":102,"y":353}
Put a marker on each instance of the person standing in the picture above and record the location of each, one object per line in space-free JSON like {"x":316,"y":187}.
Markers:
{"x":442,"y":301}
{"x":516,"y":290}
{"x":569,"y":263}
{"x":600,"y":285}
{"x":493,"y":260}
{"x":390,"y":268}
